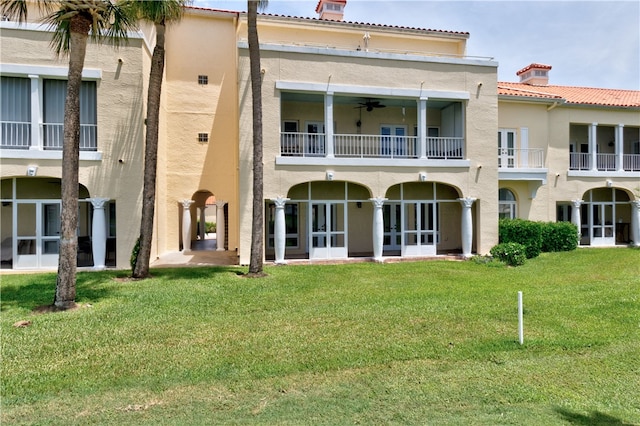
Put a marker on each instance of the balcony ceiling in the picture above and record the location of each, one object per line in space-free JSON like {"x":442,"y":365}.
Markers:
{"x":357,"y":100}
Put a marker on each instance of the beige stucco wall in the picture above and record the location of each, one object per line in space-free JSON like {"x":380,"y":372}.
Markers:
{"x":118,"y":174}
{"x":201,"y":44}
{"x":549,"y":128}
{"x":481,"y":125}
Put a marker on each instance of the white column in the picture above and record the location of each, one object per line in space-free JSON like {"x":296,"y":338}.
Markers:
{"x":99,"y":232}
{"x":328,"y":124}
{"x":186,"y":225}
{"x":635,"y":223}
{"x":36,"y":114}
{"x":620,"y":147}
{"x":575,"y":215}
{"x":280,"y":230}
{"x":203,"y":225}
{"x":593,"y":145}
{"x":422,"y":127}
{"x":220,"y":225}
{"x":378,"y":227}
{"x":467,"y":225}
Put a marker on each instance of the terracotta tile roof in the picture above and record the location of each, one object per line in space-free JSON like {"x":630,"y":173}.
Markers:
{"x":459,"y":33}
{"x":573,"y":95}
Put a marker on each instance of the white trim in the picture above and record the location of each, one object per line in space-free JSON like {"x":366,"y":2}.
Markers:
{"x":45,"y":28}
{"x":23,"y":70}
{"x":374,"y":162}
{"x":600,"y":174}
{"x":523,"y":174}
{"x":35,"y":154}
{"x":328,"y":51}
{"x":345,"y":89}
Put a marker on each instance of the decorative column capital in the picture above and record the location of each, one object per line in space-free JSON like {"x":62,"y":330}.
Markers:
{"x":467,"y":202}
{"x":378,"y":202}
{"x":186,"y":203}
{"x":576,"y":203}
{"x":220,"y":203}
{"x":98,"y":202}
{"x":635,"y":204}
{"x":280,"y":202}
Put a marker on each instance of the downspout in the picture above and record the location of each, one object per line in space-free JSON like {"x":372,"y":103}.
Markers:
{"x":552,"y":106}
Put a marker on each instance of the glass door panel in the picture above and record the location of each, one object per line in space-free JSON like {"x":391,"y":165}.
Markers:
{"x":27,"y":235}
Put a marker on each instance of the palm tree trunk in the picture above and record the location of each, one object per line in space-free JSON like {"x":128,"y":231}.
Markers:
{"x":141,"y":269}
{"x":257,"y":240}
{"x":67,"y":261}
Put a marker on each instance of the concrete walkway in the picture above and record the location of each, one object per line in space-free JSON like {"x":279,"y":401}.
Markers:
{"x":202,"y":253}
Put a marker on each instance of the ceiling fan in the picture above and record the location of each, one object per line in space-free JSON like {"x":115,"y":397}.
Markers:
{"x":370,"y":104}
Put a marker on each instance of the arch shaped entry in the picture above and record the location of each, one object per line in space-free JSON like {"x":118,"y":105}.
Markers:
{"x":30,"y":231}
{"x":608,"y":217}
{"x":320,"y":220}
{"x":422,"y":219}
{"x":207,"y":224}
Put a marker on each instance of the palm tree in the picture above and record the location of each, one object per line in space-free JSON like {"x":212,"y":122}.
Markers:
{"x":257,"y":239}
{"x":160,"y":13}
{"x":73,"y":23}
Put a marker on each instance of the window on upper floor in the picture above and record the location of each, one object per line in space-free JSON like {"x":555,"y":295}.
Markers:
{"x":24,"y":125}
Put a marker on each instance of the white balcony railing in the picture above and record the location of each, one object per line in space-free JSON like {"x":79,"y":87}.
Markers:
{"x":15,"y":135}
{"x":521,"y":158}
{"x":631,"y":162}
{"x":374,"y":146}
{"x":369,"y":146}
{"x":54,"y":136}
{"x":604,"y":162}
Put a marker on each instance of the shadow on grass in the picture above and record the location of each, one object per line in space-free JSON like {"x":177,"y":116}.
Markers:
{"x":32,"y":291}
{"x":198,"y":272}
{"x":594,"y":418}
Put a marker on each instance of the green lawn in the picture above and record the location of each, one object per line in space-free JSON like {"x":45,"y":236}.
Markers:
{"x":404,"y":343}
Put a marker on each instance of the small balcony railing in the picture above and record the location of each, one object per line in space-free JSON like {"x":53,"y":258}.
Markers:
{"x":520,"y":158}
{"x":370,"y":146}
{"x":54,"y":137}
{"x":604,"y":162}
{"x":15,"y":135}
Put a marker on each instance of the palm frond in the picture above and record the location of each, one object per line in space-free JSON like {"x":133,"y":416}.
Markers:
{"x":14,"y":9}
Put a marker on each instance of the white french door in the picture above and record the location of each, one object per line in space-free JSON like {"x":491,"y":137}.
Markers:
{"x":602,"y":224}
{"x":506,"y":148}
{"x":37,"y":228}
{"x":420,"y":228}
{"x":392,"y":218}
{"x":327,"y":232}
{"x":315,"y":145}
{"x":393,"y":141}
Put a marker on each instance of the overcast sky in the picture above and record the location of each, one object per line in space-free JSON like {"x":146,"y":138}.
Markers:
{"x":588,"y":43}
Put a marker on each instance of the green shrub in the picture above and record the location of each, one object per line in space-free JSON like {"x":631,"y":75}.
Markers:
{"x":559,"y":236}
{"x":524,"y":232}
{"x":513,"y":254}
{"x":134,"y":254}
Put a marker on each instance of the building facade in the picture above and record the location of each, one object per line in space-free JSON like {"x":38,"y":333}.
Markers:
{"x":378,"y":141}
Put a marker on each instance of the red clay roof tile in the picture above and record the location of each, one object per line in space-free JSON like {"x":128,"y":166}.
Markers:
{"x":573,"y":95}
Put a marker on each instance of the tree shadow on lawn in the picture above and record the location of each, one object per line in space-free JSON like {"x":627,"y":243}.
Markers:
{"x":594,"y":418}
{"x":197,"y":272}
{"x":39,"y":291}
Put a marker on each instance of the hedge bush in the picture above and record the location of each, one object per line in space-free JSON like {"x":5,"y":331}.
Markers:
{"x":513,"y":254}
{"x":524,"y":232}
{"x":559,"y":236}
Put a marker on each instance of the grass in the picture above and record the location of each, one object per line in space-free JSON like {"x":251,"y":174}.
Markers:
{"x":406,"y":343}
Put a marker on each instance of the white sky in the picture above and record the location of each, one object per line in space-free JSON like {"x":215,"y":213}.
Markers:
{"x":588,"y":43}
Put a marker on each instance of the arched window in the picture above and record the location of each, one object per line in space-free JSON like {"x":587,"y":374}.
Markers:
{"x":507,"y":204}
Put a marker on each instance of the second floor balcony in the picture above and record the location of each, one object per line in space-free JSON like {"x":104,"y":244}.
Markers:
{"x":600,"y":148}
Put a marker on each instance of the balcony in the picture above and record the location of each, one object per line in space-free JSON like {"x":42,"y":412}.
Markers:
{"x":520,"y":158}
{"x":369,"y":146}
{"x":17,"y":135}
{"x":604,"y":162}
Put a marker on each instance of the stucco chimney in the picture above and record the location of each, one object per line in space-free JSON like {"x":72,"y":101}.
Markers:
{"x":331,"y":10}
{"x":535,"y":74}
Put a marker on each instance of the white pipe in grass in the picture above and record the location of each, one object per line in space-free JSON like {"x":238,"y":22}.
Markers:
{"x":520,"y":322}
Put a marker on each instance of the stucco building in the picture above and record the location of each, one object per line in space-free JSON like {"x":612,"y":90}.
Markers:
{"x":379,"y":142}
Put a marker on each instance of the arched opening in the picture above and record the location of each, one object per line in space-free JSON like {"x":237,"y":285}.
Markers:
{"x":203,"y":235}
{"x":30,"y":233}
{"x":422,"y":219}
{"x":322,"y":220}
{"x":507,"y":204}
{"x":605,"y":217}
